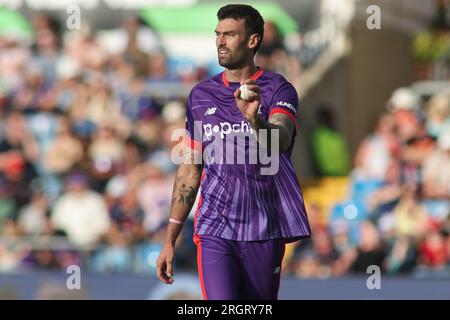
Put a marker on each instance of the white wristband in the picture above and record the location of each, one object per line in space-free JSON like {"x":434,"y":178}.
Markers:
{"x":175,"y":221}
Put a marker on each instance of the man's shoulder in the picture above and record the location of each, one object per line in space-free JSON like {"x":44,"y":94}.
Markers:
{"x":274,"y":76}
{"x":277,"y":80}
{"x":207,"y":83}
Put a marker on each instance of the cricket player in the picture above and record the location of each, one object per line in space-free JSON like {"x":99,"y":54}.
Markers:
{"x":245,"y":214}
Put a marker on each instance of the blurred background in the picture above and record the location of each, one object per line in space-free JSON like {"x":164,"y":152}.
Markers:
{"x":88,"y":104}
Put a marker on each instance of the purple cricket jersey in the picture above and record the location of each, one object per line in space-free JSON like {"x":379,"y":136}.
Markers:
{"x":237,"y":202}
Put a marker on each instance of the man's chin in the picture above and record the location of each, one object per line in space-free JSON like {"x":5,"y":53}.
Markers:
{"x":227,"y":64}
{"x":224,"y":63}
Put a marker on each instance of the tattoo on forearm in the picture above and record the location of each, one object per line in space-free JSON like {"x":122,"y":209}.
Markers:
{"x":186,"y":195}
{"x":174,"y":192}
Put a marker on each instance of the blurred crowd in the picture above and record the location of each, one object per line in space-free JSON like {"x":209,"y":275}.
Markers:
{"x":397,"y":213}
{"x":85,"y":169}
{"x":84,"y":149}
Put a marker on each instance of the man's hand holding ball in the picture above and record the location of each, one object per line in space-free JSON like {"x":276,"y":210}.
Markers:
{"x":248,"y":100}
{"x":246,"y":93}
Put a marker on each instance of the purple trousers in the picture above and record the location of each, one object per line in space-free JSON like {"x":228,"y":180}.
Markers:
{"x":239,"y":270}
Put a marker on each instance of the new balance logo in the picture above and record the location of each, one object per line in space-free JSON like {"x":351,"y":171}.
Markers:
{"x":210,"y":111}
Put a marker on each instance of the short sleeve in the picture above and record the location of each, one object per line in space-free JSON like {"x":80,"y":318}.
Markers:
{"x":285,"y":101}
{"x":193,"y":131}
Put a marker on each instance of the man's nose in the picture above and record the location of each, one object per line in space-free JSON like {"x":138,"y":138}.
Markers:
{"x":221,"y":40}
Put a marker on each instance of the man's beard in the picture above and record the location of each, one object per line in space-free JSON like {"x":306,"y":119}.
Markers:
{"x":233,"y":61}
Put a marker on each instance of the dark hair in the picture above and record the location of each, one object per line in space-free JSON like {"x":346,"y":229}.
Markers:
{"x":254,"y":22}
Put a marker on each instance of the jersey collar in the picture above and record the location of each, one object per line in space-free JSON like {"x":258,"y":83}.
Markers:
{"x":255,"y":76}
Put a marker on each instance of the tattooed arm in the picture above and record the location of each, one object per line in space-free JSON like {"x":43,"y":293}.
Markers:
{"x":184,"y":193}
{"x":185,"y":189}
{"x":278,"y":121}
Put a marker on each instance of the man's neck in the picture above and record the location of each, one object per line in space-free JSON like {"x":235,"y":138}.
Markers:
{"x":237,"y":75}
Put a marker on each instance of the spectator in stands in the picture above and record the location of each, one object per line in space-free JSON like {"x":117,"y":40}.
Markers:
{"x":11,"y":255}
{"x":438,"y":114}
{"x":8,"y":206}
{"x":446,"y":234}
{"x":410,"y":217}
{"x":81,"y":213}
{"x":158,"y":70}
{"x":154,"y":196}
{"x":402,"y":255}
{"x":31,"y":94}
{"x":69,"y":82}
{"x":135,"y":104}
{"x":141,"y":41}
{"x":18,"y":156}
{"x":436,"y":179}
{"x":326,"y":253}
{"x":403,"y":99}
{"x":48,"y":44}
{"x":376,"y":153}
{"x":126,"y":231}
{"x":340,"y":235}
{"x":436,"y":169}
{"x":327,"y":144}
{"x":376,"y":172}
{"x":306,"y":264}
{"x":415,"y":149}
{"x":13,"y":59}
{"x":433,"y":250}
{"x":100,"y":105}
{"x":65,"y":150}
{"x":83,"y":127}
{"x":105,"y":152}
{"x":34,"y":218}
{"x":370,"y":250}
{"x":126,"y":221}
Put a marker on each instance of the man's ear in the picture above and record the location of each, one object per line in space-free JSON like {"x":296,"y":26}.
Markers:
{"x":253,"y":40}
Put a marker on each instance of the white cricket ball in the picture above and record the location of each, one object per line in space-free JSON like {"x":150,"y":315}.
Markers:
{"x":246,"y":94}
